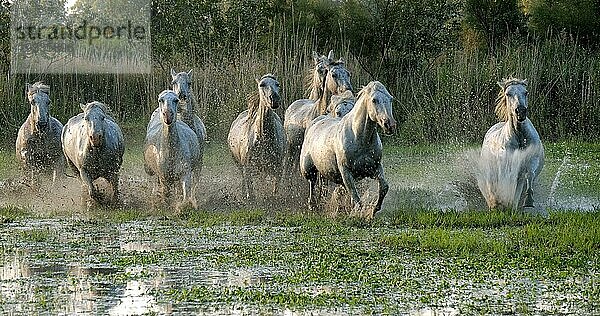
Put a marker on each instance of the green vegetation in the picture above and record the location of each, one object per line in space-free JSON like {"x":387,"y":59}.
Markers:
{"x":440,"y":59}
{"x":274,"y":260}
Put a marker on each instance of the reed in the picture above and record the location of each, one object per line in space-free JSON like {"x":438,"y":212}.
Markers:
{"x":446,"y":99}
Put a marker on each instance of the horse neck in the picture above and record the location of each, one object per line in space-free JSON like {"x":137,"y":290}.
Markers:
{"x":363,"y":127}
{"x":263,"y":119}
{"x":516,"y":129}
{"x":316,"y":89}
{"x":170,"y":137}
{"x":190,"y":104}
{"x":323,"y":101}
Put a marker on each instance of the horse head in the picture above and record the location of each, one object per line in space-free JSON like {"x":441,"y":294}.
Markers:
{"x":94,"y":115}
{"x":39,"y":101}
{"x":379,"y":106}
{"x":341,"y":104}
{"x":512,"y":100}
{"x":182,"y":85}
{"x":167,"y":103}
{"x":338,"y":78}
{"x":268,"y":90}
{"x":320,"y":69}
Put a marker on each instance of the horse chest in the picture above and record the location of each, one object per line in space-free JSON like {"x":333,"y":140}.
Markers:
{"x":41,"y":150}
{"x":365,"y":164}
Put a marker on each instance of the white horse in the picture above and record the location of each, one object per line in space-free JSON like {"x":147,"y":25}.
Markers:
{"x":172,"y":151}
{"x":345,"y":150}
{"x":341,"y":104}
{"x":512,"y":154}
{"x":299,"y":114}
{"x":38,"y":145}
{"x":93,"y":145}
{"x":182,"y":85}
{"x":256,"y":137}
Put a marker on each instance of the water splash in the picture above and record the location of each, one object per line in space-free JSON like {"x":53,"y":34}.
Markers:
{"x":556,"y":181}
{"x":500,"y":175}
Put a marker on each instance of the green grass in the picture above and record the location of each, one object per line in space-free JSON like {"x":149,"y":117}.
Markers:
{"x":396,"y":262}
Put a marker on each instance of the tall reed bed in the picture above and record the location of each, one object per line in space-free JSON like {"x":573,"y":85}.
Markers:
{"x":446,"y":99}
{"x":454,"y":99}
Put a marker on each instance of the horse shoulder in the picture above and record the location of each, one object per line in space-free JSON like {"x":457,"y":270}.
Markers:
{"x":115,"y":138}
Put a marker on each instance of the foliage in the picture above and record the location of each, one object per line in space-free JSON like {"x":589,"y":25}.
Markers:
{"x":445,"y":92}
{"x":494,"y":19}
{"x":576,"y":18}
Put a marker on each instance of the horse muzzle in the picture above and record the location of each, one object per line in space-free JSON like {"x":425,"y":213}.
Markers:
{"x":275,"y":101}
{"x":521,"y":114}
{"x":96,"y":140}
{"x":388,"y":125}
{"x":41,"y":125}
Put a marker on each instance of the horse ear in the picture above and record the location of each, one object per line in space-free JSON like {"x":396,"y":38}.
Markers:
{"x":82,"y":106}
{"x":27,"y":86}
{"x":340,"y":61}
{"x":190,"y":73}
{"x":173,"y":73}
{"x":525,"y":81}
{"x":500,"y":83}
{"x":257,"y":80}
{"x":315,"y":56}
{"x":330,"y":55}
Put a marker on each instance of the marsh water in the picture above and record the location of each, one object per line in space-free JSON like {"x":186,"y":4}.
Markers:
{"x":65,"y":260}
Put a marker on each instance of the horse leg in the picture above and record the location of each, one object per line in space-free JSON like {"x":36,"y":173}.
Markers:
{"x":247,"y":178}
{"x":113,"y":179}
{"x":87,"y":182}
{"x":186,"y":188}
{"x":165,"y":192}
{"x":350,"y":185}
{"x":528,"y":195}
{"x":383,"y":189}
{"x":312,"y":194}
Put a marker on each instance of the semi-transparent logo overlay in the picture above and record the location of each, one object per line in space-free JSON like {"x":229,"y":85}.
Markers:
{"x":83,"y":36}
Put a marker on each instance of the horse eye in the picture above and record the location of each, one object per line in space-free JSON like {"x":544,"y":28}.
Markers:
{"x":375,"y":100}
{"x":262,"y":84}
{"x":334,"y":75}
{"x":173,"y":82}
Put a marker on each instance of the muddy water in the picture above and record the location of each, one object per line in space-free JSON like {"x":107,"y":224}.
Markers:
{"x":438,"y":179}
{"x":71,"y":266}
{"x":65,"y":262}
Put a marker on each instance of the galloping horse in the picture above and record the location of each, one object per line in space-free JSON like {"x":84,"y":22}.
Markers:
{"x":348,"y":149}
{"x":172,"y":151}
{"x":182,"y":85}
{"x":512,"y":154}
{"x":256,"y":137}
{"x":93,"y":145}
{"x":38,"y":145}
{"x":299,"y":114}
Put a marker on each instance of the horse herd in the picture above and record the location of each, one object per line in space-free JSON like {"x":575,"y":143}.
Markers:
{"x":332,"y":135}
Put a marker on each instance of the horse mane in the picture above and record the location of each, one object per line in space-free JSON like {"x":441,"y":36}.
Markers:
{"x":254,"y":108}
{"x":309,"y":76}
{"x":371,"y":86}
{"x":501,"y":110}
{"x":38,"y":87}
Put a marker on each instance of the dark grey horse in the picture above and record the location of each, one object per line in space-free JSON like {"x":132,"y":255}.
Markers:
{"x":256,"y":137}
